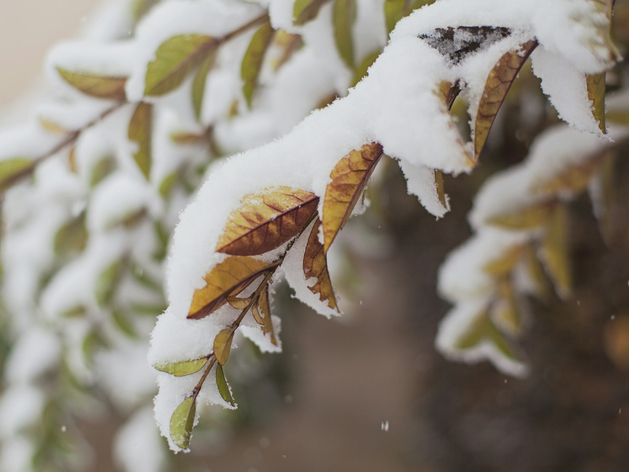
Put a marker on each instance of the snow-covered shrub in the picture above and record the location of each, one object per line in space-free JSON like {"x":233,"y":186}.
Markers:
{"x":145,"y":110}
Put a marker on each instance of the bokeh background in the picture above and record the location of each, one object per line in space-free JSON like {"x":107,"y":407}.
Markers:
{"x":369,"y":392}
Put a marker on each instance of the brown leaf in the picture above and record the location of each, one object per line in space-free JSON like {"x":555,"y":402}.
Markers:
{"x":504,"y":264}
{"x":226,"y":279}
{"x":265,"y":308}
{"x":596,"y":94}
{"x":266,"y":220}
{"x":349,"y":178}
{"x":574,"y":179}
{"x":223,"y":345}
{"x":497,"y":86}
{"x":448,"y":92}
{"x":316,"y":265}
{"x":506,"y":311}
{"x":525,"y":218}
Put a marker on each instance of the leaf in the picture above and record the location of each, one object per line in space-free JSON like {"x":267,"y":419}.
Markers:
{"x":306,"y":10}
{"x":12,"y":169}
{"x":315,"y":265}
{"x":223,"y":345}
{"x":107,"y":282}
{"x":239,"y":303}
{"x":72,"y":160}
{"x":255,"y":311}
{"x":529,"y":217}
{"x":506,"y":312}
{"x":226,"y":279}
{"x":265,"y":308}
{"x":140,"y":132}
{"x":102,"y":169}
{"x":537,"y":274}
{"x":497,"y":86}
{"x":182,"y":422}
{"x":483,"y":329}
{"x":253,"y":59}
{"x":363,"y":67}
{"x":448,"y":92}
{"x":71,"y":237}
{"x":574,"y":179}
{"x":98,"y":86}
{"x":51,"y":126}
{"x":288,"y":44}
{"x":175,"y":58}
{"x":223,"y":387}
{"x":349,"y":178}
{"x":596,"y":95}
{"x":123,"y":324}
{"x":555,"y":251}
{"x":139,"y":8}
{"x":343,"y":18}
{"x":441,"y":193}
{"x":199,"y":82}
{"x":504,"y":264}
{"x":394,"y":11}
{"x":181,"y":369}
{"x":266,"y":220}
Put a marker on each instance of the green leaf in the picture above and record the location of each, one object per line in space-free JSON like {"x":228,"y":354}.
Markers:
{"x":167,"y":185}
{"x":71,"y":237}
{"x":343,"y":20}
{"x":253,"y":59}
{"x":181,"y":369}
{"x":361,"y":69}
{"x":11,"y":169}
{"x":394,"y":11}
{"x":107,"y":283}
{"x":92,"y":341}
{"x":198,"y":84}
{"x":306,"y":10}
{"x":98,"y":86}
{"x":222,"y":345}
{"x":175,"y":58}
{"x":182,"y":422}
{"x":484,"y":330}
{"x":123,"y":324}
{"x":139,"y":8}
{"x":140,"y":131}
{"x":223,"y":387}
{"x":102,"y":169}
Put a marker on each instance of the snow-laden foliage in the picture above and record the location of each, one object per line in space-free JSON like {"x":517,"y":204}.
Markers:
{"x":144,"y":112}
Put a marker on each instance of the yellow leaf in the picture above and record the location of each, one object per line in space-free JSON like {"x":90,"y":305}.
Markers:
{"x":349,"y":178}
{"x":596,"y":95}
{"x":265,"y":308}
{"x":253,"y":59}
{"x":266,"y":220}
{"x":98,"y":86}
{"x":315,"y":265}
{"x":184,"y":138}
{"x":361,"y":69}
{"x":140,"y":132}
{"x":555,"y":251}
{"x":227,"y":279}
{"x":182,"y":422}
{"x":238,"y":303}
{"x":223,"y":387}
{"x":12,"y":169}
{"x":524,"y":218}
{"x":223,"y":345}
{"x":306,"y":10}
{"x":343,"y":20}
{"x":51,"y":126}
{"x":504,"y":264}
{"x":198,"y":84}
{"x":497,"y":86}
{"x":180,"y":369}
{"x":174,"y":59}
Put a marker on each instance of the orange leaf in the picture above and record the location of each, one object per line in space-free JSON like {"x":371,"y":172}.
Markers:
{"x":349,"y":178}
{"x":225,"y":280}
{"x":316,"y":265}
{"x":497,"y":86}
{"x":267,"y":220}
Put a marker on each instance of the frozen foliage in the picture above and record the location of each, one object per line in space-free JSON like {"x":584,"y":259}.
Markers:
{"x":147,"y":108}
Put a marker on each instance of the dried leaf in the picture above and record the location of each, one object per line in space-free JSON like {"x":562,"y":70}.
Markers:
{"x":265,"y":308}
{"x":394,"y":11}
{"x":448,"y":93}
{"x":238,"y":303}
{"x":349,"y":178}
{"x":140,"y":132}
{"x":98,"y":86}
{"x":182,"y":422}
{"x":306,"y":10}
{"x":603,"y":194}
{"x":226,"y":279}
{"x":497,"y":86}
{"x":574,"y":179}
{"x":596,"y":95}
{"x":255,"y":311}
{"x":460,"y":42}
{"x":537,"y":274}
{"x":174,"y":59}
{"x":223,"y":345}
{"x":266,"y":220}
{"x":344,"y":15}
{"x":441,"y":193}
{"x":363,"y":67}
{"x":504,"y":264}
{"x":524,"y":218}
{"x":180,"y":369}
{"x":315,"y":265}
{"x":12,"y":169}
{"x":555,"y":251}
{"x":198,"y":84}
{"x":71,"y":237}
{"x":253,"y":59}
{"x":223,"y":387}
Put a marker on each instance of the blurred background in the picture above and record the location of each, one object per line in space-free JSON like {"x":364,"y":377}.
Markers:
{"x":369,"y":392}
